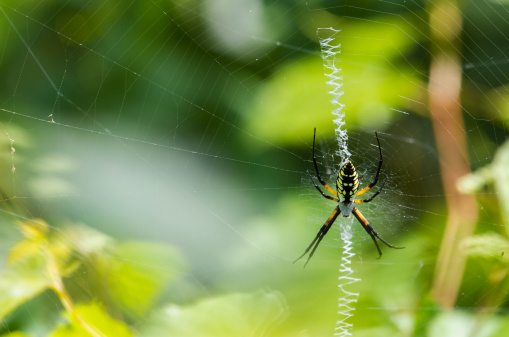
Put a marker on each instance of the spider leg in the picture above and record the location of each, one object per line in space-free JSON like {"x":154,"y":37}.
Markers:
{"x":318,"y":188}
{"x":374,"y":195}
{"x":321,"y":233}
{"x":317,"y":172}
{"x":371,"y":231}
{"x":367,"y":188}
{"x":376,"y":244}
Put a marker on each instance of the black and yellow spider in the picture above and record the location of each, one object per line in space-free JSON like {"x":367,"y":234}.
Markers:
{"x":347,"y":186}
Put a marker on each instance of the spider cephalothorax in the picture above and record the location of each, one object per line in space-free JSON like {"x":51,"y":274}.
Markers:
{"x":347,"y":190}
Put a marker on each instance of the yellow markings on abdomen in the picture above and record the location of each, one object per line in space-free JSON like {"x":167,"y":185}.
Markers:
{"x":348,"y":182}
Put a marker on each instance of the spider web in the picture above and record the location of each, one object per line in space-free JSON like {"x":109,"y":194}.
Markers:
{"x":190,"y":124}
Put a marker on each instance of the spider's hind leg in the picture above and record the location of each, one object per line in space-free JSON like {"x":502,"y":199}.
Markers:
{"x":321,"y":233}
{"x":376,"y":244}
{"x":371,"y":231}
{"x":381,"y":239}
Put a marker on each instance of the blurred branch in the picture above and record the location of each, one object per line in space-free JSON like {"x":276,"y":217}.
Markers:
{"x":58,"y":287}
{"x":445,"y":109}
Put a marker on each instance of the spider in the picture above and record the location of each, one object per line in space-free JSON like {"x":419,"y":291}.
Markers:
{"x":347,"y":186}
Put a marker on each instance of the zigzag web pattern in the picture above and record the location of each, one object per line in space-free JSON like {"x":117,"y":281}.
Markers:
{"x":347,"y":299}
{"x":331,"y":48}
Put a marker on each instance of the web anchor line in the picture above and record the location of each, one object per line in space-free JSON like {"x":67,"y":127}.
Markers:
{"x":331,"y":49}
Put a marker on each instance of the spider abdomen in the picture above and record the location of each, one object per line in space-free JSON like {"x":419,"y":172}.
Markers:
{"x":348,"y":182}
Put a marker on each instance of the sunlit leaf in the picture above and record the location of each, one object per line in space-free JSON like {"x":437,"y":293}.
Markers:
{"x":296,"y":99}
{"x":35,"y":232}
{"x":34,"y":264}
{"x":38,"y":241}
{"x":22,"y":281}
{"x":23,"y":250}
{"x":290,"y":101}
{"x":476,"y":181}
{"x":384,"y":35}
{"x":34,"y":229}
{"x":496,"y":174}
{"x":487,"y":246}
{"x":227,"y":316}
{"x":92,"y":320}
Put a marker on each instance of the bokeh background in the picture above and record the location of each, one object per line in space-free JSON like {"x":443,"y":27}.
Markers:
{"x":154,"y":158}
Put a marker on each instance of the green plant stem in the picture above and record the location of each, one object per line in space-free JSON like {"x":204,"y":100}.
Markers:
{"x":58,"y":287}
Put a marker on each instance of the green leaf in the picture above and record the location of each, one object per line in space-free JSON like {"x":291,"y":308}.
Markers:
{"x":474,"y":182}
{"x":487,"y":246}
{"x":137,"y":272}
{"x":287,"y":103}
{"x":227,"y":316}
{"x":32,"y":261}
{"x":95,"y":319}
{"x":296,"y":99}
{"x":384,"y":35}
{"x":22,"y":281}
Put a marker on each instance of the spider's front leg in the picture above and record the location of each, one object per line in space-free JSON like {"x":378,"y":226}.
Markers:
{"x":380,"y":162}
{"x":374,"y":195}
{"x":320,"y":190}
{"x":327,"y":187}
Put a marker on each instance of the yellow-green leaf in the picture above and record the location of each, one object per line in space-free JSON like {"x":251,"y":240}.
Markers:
{"x":487,"y":246}
{"x":34,"y":229}
{"x":21,"y":282}
{"x":23,"y":250}
{"x":136,"y":272}
{"x":296,"y":99}
{"x":92,"y":320}
{"x":474,"y":182}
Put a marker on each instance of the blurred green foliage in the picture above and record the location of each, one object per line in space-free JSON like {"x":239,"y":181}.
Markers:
{"x":218,"y":107}
{"x":128,"y":275}
{"x":95,"y":316}
{"x":284,"y":103}
{"x":229,"y":315}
